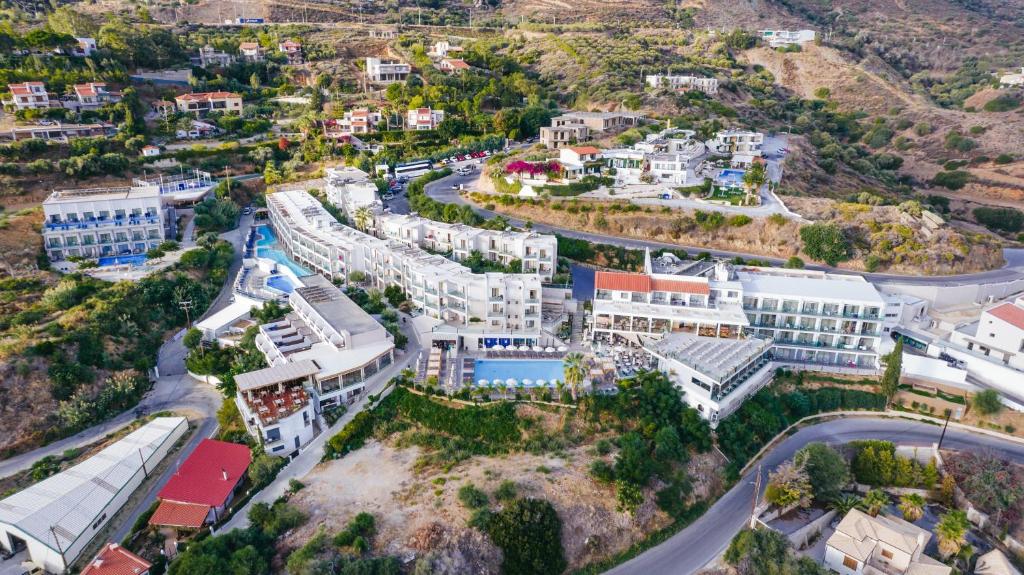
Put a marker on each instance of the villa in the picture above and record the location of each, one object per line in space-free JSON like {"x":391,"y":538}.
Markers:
{"x":250,"y":52}
{"x":666,"y":157}
{"x":210,"y":57}
{"x":292,"y":50}
{"x":452,"y":65}
{"x":423,"y":119}
{"x":605,"y":122}
{"x":442,"y":48}
{"x":579,"y":161}
{"x":205,"y":102}
{"x":706,"y":85}
{"x":866,"y":545}
{"x":95,"y":95}
{"x":28,"y":96}
{"x":737,"y":143}
{"x":386,"y":71}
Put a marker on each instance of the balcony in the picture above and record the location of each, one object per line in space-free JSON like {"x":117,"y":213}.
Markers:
{"x":821,"y":345}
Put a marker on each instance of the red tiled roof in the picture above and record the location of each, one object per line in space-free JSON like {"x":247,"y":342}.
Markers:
{"x":1010,"y":313}
{"x":248,"y":46}
{"x":175,"y":514}
{"x":584,"y":150}
{"x":24,"y":88}
{"x":208,"y":96}
{"x":116,"y":560}
{"x":677,"y":286}
{"x":200,"y":479}
{"x":457,"y":63}
{"x":90,"y":89}
{"x":619,"y":281}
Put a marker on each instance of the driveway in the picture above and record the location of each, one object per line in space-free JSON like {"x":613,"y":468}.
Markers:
{"x":707,"y":538}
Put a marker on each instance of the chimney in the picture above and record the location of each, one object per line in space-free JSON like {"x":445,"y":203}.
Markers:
{"x":224,"y":473}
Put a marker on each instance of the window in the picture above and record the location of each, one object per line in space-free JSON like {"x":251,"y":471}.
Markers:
{"x":886,"y":553}
{"x":849,"y":562}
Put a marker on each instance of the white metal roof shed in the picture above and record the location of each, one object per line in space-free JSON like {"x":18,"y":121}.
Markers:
{"x":58,"y":516}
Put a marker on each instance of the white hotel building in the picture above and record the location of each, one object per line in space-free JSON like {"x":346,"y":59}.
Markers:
{"x":814,"y":319}
{"x":472,"y":310}
{"x":703,"y":84}
{"x":102,"y":222}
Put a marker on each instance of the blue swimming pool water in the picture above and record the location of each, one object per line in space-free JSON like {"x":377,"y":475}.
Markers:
{"x":266,"y":247}
{"x":731,"y":177}
{"x":136,"y":260}
{"x":518,"y":369}
{"x":281,"y":283}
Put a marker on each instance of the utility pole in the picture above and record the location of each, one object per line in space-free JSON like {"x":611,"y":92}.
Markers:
{"x":757,"y":494}
{"x":949,"y":413}
{"x":186,"y":304}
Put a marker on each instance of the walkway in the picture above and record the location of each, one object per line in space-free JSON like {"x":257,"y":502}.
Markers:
{"x":707,"y":538}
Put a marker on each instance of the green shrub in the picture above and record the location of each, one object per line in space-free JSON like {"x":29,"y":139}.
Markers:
{"x":1002,"y":103}
{"x":953,"y":180}
{"x":529,"y":533}
{"x":1000,"y":219}
{"x":825,"y":242}
{"x":472,"y":497}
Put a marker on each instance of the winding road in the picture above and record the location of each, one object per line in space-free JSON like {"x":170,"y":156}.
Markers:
{"x":443,"y":190}
{"x":707,"y":538}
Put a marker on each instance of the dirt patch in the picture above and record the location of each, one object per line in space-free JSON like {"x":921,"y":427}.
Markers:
{"x":419,"y":515}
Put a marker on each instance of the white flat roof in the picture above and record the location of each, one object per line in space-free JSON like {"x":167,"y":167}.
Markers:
{"x":267,"y":376}
{"x":715,"y":357}
{"x":239,"y":308}
{"x":60,"y":509}
{"x":98,"y":194}
{"x":831,"y":287}
{"x":333,"y":361}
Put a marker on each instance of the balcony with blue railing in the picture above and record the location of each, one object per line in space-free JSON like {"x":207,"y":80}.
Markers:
{"x":101,"y":223}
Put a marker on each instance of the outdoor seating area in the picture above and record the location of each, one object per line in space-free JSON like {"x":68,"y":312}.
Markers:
{"x":272,"y":405}
{"x":524,"y":352}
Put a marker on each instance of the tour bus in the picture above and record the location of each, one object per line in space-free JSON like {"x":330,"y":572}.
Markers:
{"x":412,"y":170}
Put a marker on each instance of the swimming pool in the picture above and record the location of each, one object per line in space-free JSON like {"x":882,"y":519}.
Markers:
{"x":281,"y":283}
{"x":266,"y":247}
{"x":136,"y":260}
{"x":549,"y":370}
{"x":730,"y":178}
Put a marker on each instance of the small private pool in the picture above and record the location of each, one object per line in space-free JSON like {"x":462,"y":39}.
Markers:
{"x":730,"y":178}
{"x":267,"y":247}
{"x":281,"y":283}
{"x":133,"y":260}
{"x":525,"y":370}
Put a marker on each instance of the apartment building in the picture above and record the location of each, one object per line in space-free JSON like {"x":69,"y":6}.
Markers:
{"x":250,"y":52}
{"x":783,"y":38}
{"x":292,"y":50}
{"x":600,"y":121}
{"x":102,"y":222}
{"x":423,"y":119}
{"x":205,"y":102}
{"x":536,"y":252}
{"x":95,"y":95}
{"x":350,"y":189}
{"x":737,"y":143}
{"x":554,"y":137}
{"x":358,"y":121}
{"x":275,"y":406}
{"x":706,"y":85}
{"x":866,"y":545}
{"x":326,"y":327}
{"x":386,"y":71}
{"x":998,"y":334}
{"x":812,"y":318}
{"x":28,"y":96}
{"x":470,"y":309}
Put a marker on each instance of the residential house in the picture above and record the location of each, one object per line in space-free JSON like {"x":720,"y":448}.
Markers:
{"x":250,"y":52}
{"x":202,"y":486}
{"x":275,"y":406}
{"x":997,"y":335}
{"x":102,"y":222}
{"x":785,"y":38}
{"x":666,"y":157}
{"x":150,"y":151}
{"x":1013,"y":79}
{"x":85,"y":48}
{"x":743,"y":143}
{"x":358,"y":121}
{"x":708,"y":86}
{"x":453,"y":65}
{"x":605,"y":122}
{"x":386,"y":71}
{"x":292,"y":50}
{"x":28,"y":96}
{"x":163,"y":107}
{"x":61,"y":132}
{"x":554,"y":137}
{"x":205,"y":102}
{"x":210,"y":57}
{"x":866,"y":545}
{"x":95,"y":95}
{"x":197,"y":130}
{"x":579,"y":161}
{"x":442,"y":49}
{"x":114,"y":559}
{"x":423,"y":119}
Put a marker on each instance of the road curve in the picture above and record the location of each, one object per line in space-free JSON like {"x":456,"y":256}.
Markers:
{"x":442,"y":190}
{"x":707,"y":538}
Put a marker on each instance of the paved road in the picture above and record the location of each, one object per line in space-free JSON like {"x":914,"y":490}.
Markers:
{"x":442,"y":191}
{"x":706,"y":539}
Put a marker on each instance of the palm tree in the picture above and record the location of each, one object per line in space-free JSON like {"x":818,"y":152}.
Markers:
{"x":559,"y":388}
{"x":951,"y":531}
{"x":874,"y":501}
{"x":573,"y":371}
{"x":912,"y":506}
{"x":845,"y":503}
{"x":501,"y":388}
{"x":362,"y":218}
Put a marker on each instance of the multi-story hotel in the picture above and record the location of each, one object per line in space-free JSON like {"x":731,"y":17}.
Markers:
{"x":810,"y":317}
{"x":350,"y":189}
{"x":275,"y":406}
{"x":102,"y":222}
{"x":326,"y":327}
{"x":472,"y":310}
